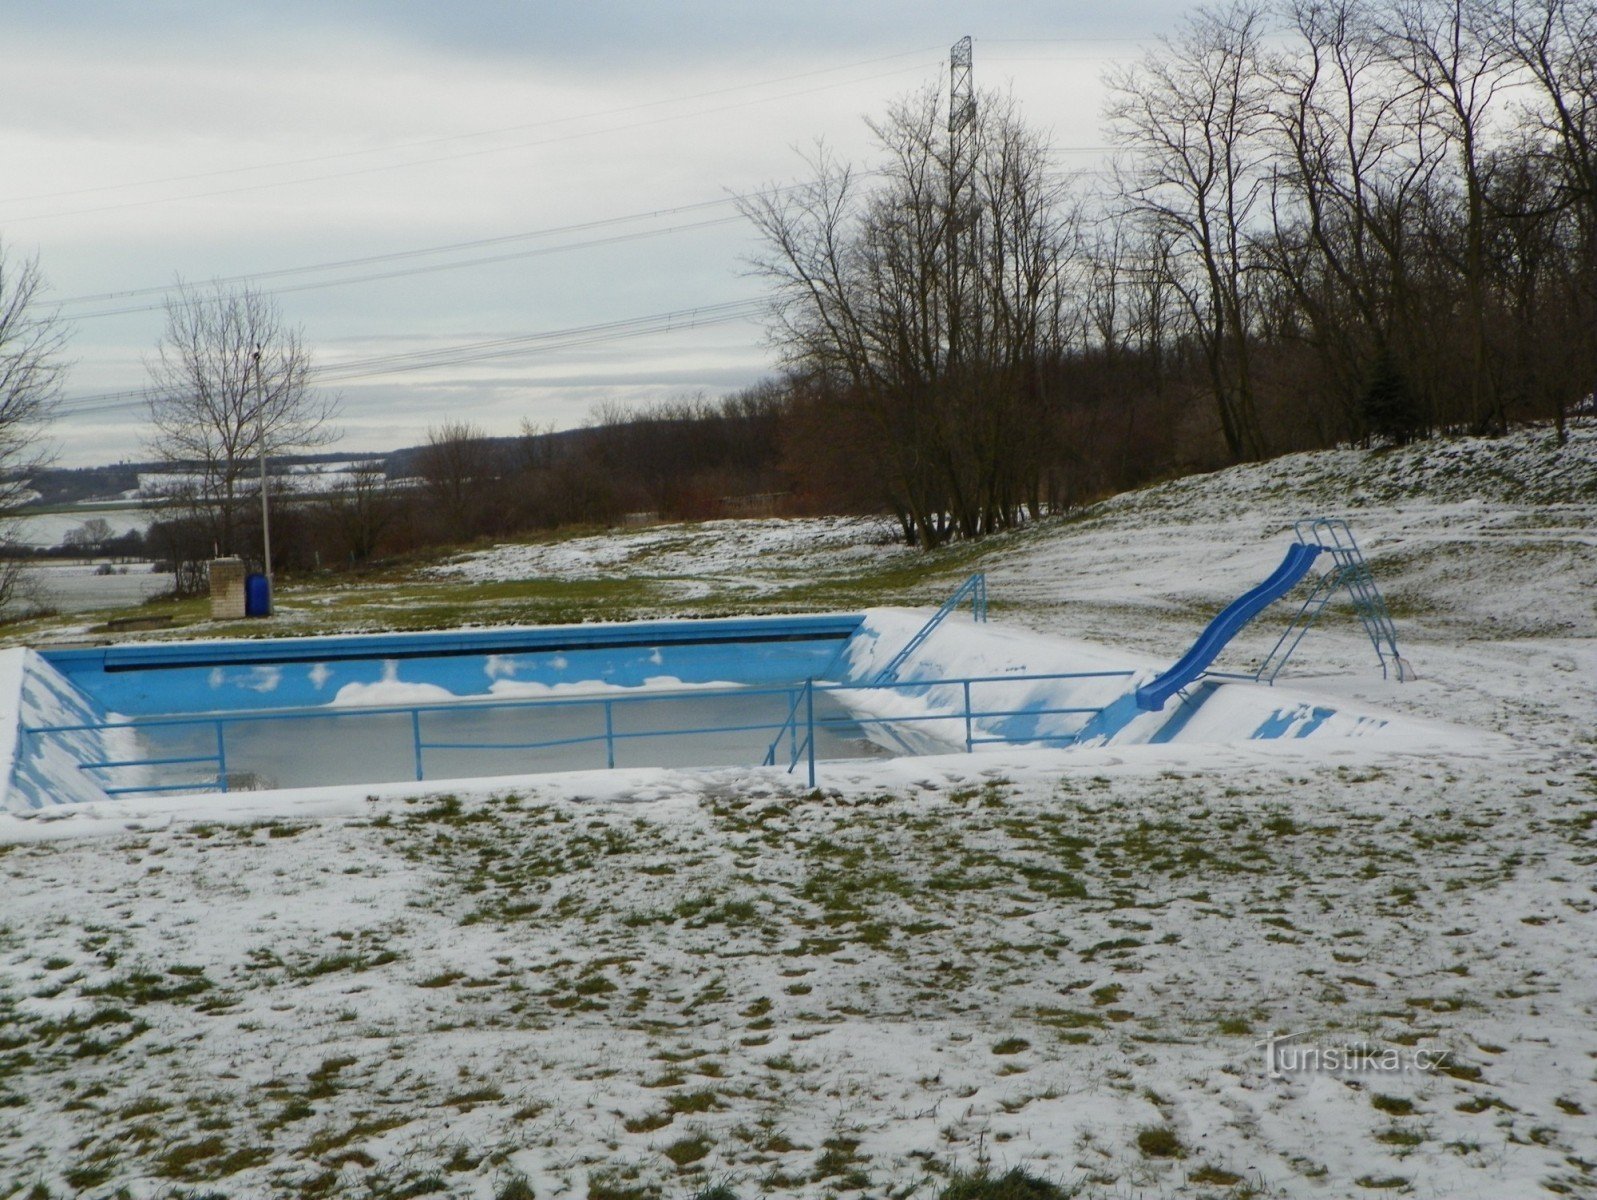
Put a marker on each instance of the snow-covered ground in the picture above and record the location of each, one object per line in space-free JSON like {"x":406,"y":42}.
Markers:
{"x":639,"y":983}
{"x":51,"y":529}
{"x":698,"y":560}
{"x":300,"y":477}
{"x":78,"y":587}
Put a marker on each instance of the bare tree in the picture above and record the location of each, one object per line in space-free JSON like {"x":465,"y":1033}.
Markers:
{"x":458,"y":466}
{"x":229,"y":382}
{"x":31,"y":368}
{"x":91,"y":536}
{"x":1444,"y":47}
{"x":1550,"y":42}
{"x":1354,"y":164}
{"x":920,"y":308}
{"x":362,"y":509}
{"x":1194,"y":113}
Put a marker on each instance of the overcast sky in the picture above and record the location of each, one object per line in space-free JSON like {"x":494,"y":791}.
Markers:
{"x":585,"y":150}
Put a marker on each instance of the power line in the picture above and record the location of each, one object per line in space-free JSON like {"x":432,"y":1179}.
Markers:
{"x":167,"y":289}
{"x":471,"y":352}
{"x":430,"y":267}
{"x":418,"y":252}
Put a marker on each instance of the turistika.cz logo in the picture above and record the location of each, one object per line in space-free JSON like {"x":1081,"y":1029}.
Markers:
{"x":1285,"y":1055}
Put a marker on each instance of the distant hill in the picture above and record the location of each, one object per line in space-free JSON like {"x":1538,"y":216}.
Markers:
{"x":77,"y":485}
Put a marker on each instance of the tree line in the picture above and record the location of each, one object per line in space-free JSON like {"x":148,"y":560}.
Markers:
{"x":1326,"y":221}
{"x":1329,"y":220}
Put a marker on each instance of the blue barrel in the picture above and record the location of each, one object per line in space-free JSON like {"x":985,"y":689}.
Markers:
{"x":257,"y":596}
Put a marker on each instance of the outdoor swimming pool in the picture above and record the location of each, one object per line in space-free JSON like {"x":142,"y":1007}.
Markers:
{"x":788,"y":692}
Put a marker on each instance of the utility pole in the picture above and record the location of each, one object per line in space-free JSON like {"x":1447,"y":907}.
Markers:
{"x":961,"y":133}
{"x":260,"y":436}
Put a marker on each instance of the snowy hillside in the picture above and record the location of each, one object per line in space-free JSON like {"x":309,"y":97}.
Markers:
{"x":644,"y":983}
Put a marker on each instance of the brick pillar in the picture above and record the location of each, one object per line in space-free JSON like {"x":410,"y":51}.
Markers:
{"x":227,"y":589}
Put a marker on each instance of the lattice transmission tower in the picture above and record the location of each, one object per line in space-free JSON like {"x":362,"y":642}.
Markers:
{"x":961,"y":211}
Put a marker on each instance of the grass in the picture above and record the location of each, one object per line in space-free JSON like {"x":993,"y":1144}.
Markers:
{"x":1397,"y":1106}
{"x":1215,"y":1175}
{"x":1160,"y":1141}
{"x":801,"y":879}
{"x":404,"y":596}
{"x":687,"y":1151}
{"x":1015,"y":1184}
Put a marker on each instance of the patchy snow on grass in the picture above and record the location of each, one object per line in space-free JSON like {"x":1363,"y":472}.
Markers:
{"x":783,"y":548}
{"x":642,"y":983}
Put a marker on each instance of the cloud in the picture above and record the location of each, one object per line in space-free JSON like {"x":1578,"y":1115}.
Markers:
{"x":145,"y":142}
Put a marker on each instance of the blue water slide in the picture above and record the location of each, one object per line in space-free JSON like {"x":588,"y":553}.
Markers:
{"x":1151,"y":697}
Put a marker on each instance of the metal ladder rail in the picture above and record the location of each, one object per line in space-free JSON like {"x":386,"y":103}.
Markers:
{"x":1370,"y":606}
{"x":1353,"y":572}
{"x":789,"y":728}
{"x":1368,"y":603}
{"x":1313,"y":605}
{"x":975,"y":587}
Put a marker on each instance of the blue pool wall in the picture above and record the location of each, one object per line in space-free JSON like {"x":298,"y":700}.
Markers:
{"x":193,"y":677}
{"x":38,"y":772}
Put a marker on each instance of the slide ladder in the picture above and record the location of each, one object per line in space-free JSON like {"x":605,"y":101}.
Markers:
{"x":1151,"y":697}
{"x":1349,"y":570}
{"x":974,"y":588}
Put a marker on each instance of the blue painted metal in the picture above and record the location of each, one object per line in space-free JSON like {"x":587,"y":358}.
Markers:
{"x":809,"y":721}
{"x":1349,"y":570}
{"x":789,"y":730}
{"x":968,"y":714}
{"x":800,"y":727}
{"x":1152,"y":697}
{"x":221,"y":756}
{"x":270,"y":673}
{"x":974,"y":589}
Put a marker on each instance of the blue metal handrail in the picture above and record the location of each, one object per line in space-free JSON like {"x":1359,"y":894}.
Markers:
{"x":1350,"y":570}
{"x":800,"y":713}
{"x":789,"y":727}
{"x":975,"y":588}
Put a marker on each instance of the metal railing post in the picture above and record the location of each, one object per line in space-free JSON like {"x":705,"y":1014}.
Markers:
{"x":609,"y":735}
{"x":792,"y":733}
{"x":809,"y":720}
{"x":415,"y":739}
{"x":967,"y":716}
{"x":221,"y":755}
